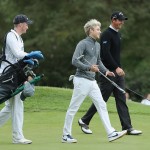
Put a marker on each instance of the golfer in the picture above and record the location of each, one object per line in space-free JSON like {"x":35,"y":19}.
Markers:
{"x":85,"y":83}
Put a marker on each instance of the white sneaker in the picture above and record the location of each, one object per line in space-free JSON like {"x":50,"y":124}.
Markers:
{"x":68,"y":139}
{"x":84,"y":127}
{"x":132,"y":131}
{"x":116,"y":135}
{"x":22,"y":141}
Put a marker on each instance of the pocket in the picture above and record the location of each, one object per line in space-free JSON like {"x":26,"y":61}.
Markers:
{"x":76,"y":82}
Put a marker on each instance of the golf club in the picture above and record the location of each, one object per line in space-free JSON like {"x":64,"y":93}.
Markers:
{"x":113,"y":83}
{"x":135,"y":93}
{"x":80,"y":57}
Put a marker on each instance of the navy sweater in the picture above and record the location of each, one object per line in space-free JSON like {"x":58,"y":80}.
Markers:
{"x":110,"y":49}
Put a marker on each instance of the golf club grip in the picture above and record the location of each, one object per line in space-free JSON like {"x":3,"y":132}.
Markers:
{"x":113,"y":83}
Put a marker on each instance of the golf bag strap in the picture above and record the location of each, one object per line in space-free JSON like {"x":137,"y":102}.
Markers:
{"x":4,"y":46}
{"x":7,"y":61}
{"x":3,"y":56}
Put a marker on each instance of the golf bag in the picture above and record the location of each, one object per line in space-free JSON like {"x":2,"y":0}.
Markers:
{"x":14,"y":75}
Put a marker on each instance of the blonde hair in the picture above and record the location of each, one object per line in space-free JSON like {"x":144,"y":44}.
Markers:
{"x":90,"y":24}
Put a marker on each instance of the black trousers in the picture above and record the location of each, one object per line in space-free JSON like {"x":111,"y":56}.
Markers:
{"x":106,"y":89}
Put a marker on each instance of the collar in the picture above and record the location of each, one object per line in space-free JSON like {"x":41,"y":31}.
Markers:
{"x":12,"y":30}
{"x":91,"y":39}
{"x":113,"y":28}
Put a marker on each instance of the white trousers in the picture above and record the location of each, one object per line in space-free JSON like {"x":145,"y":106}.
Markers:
{"x":82,"y":88}
{"x":13,"y":108}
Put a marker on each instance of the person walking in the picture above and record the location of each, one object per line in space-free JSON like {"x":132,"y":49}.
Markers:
{"x":14,"y":51}
{"x":110,"y":55}
{"x":85,"y":83}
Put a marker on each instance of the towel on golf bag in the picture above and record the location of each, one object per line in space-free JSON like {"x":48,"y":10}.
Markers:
{"x":14,"y":75}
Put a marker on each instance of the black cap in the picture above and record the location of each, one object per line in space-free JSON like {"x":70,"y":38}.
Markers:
{"x":118,"y":15}
{"x":21,"y":19}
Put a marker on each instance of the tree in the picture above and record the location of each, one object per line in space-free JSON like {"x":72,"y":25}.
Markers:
{"x":58,"y":26}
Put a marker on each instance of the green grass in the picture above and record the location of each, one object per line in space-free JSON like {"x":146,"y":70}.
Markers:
{"x":44,"y":119}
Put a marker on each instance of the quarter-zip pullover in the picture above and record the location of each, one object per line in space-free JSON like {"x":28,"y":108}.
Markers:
{"x":90,"y":48}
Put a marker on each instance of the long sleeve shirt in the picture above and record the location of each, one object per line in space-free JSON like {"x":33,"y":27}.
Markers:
{"x":90,"y":48}
{"x":14,"y":49}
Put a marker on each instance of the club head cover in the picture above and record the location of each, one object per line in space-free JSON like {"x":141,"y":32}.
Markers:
{"x":29,"y":61}
{"x":36,"y":63}
{"x":35,"y":55}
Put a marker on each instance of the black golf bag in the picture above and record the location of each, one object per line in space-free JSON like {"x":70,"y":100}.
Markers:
{"x":13,"y":76}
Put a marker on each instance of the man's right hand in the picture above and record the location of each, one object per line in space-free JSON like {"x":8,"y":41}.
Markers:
{"x":94,"y":68}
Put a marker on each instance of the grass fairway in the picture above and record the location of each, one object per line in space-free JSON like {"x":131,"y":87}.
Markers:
{"x":44,"y":119}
